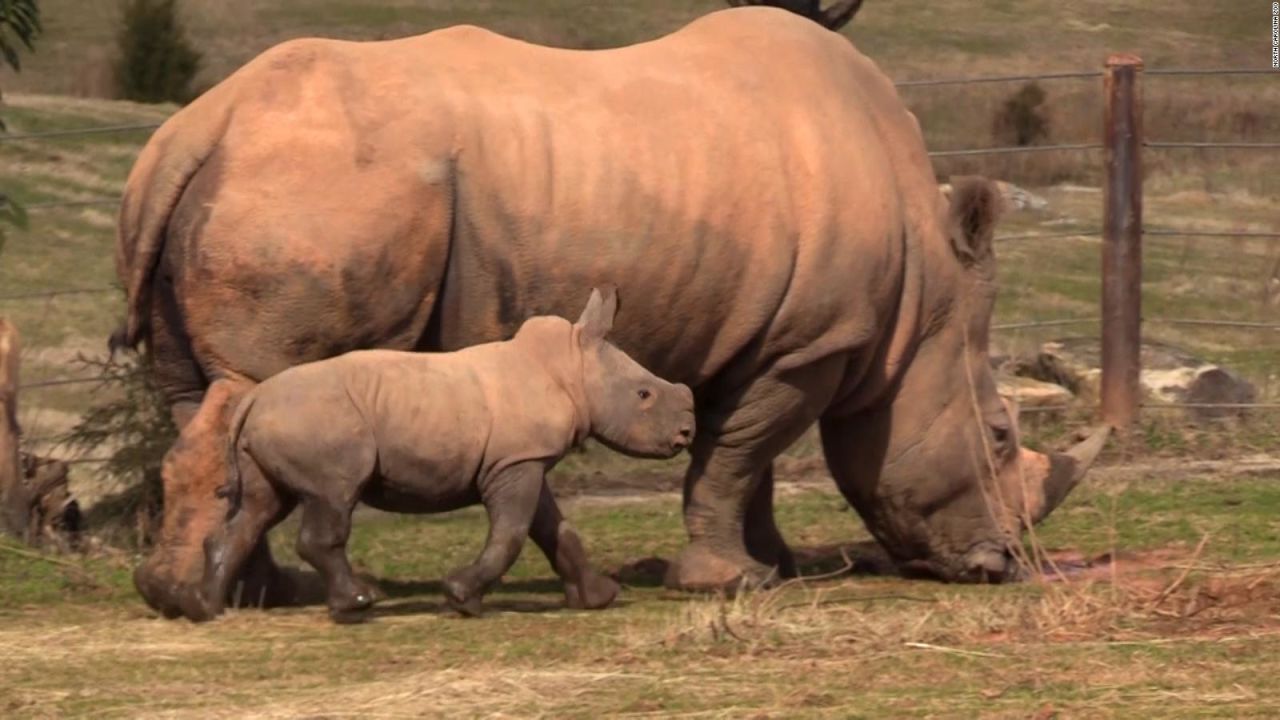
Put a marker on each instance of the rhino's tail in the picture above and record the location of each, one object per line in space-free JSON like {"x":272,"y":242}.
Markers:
{"x":161,"y":173}
{"x":233,"y":490}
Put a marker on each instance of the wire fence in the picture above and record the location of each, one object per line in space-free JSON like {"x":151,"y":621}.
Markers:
{"x":1157,"y":145}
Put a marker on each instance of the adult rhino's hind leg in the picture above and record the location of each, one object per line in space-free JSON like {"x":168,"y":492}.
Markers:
{"x":738,"y":437}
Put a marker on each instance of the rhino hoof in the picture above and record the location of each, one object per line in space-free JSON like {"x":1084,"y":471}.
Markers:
{"x":461,"y":598}
{"x":699,"y":569}
{"x":595,"y":593}
{"x":354,"y":608}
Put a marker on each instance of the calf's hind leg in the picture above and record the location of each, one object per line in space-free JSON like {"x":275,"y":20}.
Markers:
{"x":584,"y":588}
{"x":510,"y":499}
{"x":261,"y":508}
{"x":325,"y":466}
{"x":322,"y":541}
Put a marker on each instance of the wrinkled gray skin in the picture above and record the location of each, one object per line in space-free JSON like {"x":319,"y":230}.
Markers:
{"x":752,"y":182}
{"x":432,"y":432}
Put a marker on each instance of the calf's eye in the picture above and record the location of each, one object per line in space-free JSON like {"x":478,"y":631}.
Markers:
{"x":644,"y":394}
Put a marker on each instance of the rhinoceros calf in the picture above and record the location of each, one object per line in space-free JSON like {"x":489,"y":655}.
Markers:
{"x":416,"y":432}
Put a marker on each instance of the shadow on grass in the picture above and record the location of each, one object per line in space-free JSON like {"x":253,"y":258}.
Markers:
{"x":817,"y":562}
{"x":399,"y":597}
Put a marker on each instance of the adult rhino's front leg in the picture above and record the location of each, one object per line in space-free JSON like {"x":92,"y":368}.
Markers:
{"x":738,"y":438}
{"x":764,"y":539}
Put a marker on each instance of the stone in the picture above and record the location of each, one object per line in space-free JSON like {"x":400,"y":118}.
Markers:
{"x":1169,"y":375}
{"x":1030,"y":393}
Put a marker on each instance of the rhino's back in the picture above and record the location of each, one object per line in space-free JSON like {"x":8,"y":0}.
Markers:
{"x":746,"y":181}
{"x":739,"y":180}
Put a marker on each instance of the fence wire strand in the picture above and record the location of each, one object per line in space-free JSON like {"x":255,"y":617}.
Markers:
{"x":999,"y":79}
{"x":58,"y":382}
{"x":42,"y":294}
{"x":1049,"y":236}
{"x":72,"y":203}
{"x":101,"y":129}
{"x":1057,"y":322}
{"x":1012,"y":149}
{"x":1208,"y":71}
{"x":1160,"y":144}
{"x":1213,"y":323}
{"x":1212,"y":233}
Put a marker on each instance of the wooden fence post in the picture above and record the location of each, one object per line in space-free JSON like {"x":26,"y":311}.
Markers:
{"x":14,"y":501}
{"x":1122,"y":243}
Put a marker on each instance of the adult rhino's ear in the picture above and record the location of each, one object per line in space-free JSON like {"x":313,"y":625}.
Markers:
{"x":597,"y":318}
{"x":976,"y":206}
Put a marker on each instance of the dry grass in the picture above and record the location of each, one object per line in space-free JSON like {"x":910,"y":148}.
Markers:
{"x":1177,"y":624}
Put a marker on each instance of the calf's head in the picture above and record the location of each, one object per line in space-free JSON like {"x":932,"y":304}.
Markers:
{"x":937,"y":472}
{"x":624,"y":406}
{"x":627,"y":408}
{"x":630,"y":409}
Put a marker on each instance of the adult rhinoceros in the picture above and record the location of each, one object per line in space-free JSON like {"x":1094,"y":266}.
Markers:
{"x":752,"y":184}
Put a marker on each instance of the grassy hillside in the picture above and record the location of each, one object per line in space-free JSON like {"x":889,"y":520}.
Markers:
{"x":909,"y":38}
{"x":1219,"y":190}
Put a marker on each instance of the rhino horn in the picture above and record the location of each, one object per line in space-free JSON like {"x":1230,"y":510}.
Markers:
{"x":1067,"y":469}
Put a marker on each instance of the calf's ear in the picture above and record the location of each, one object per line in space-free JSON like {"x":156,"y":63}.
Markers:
{"x":597,"y":318}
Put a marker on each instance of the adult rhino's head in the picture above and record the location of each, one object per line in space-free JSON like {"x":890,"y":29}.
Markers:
{"x":630,"y":409}
{"x":936,"y":471}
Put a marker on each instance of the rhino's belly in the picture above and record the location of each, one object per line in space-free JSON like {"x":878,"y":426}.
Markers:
{"x":390,"y":498}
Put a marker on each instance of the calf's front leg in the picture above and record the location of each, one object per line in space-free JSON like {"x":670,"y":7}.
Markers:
{"x":584,"y":588}
{"x":510,"y":498}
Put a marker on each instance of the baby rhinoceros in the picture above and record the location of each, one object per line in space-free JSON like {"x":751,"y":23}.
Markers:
{"x":431,"y":432}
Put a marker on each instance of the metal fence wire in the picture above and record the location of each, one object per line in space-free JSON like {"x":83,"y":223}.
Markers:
{"x":1155,"y":145}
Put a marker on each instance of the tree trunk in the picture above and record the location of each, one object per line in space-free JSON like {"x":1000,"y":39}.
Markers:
{"x":15,"y":500}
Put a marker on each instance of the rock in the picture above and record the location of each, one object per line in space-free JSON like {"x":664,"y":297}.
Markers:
{"x":1169,"y":375}
{"x":1031,"y":393}
{"x":1214,"y":385}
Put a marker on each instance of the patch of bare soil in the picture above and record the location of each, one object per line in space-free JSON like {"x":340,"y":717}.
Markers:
{"x":1170,"y":592}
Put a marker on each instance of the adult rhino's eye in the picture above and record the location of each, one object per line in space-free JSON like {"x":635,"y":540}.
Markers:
{"x":1001,"y":435}
{"x":644,"y":394}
